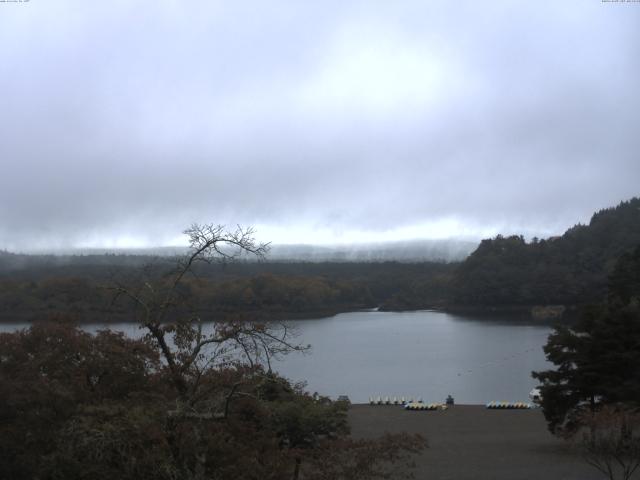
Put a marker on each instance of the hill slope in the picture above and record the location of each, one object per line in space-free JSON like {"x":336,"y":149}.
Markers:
{"x":571,"y":269}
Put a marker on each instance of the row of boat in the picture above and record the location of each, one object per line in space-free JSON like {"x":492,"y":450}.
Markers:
{"x":417,"y":404}
{"x":509,"y":405}
{"x":425,"y":406}
{"x":393,"y":400}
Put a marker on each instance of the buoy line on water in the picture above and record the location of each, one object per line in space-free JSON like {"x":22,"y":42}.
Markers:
{"x":469,"y":371}
{"x":496,"y":362}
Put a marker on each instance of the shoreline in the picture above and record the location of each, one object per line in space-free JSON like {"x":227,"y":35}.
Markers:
{"x":89,"y":318}
{"x":513,"y":313}
{"x":536,"y":312}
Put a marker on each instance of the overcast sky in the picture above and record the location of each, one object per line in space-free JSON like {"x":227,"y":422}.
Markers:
{"x":123,"y":122}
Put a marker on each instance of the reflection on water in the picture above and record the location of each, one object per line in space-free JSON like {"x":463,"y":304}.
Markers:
{"x":427,"y":354}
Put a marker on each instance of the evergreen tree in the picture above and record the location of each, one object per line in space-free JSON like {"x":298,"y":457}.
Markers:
{"x":597,"y":359}
{"x":569,"y":270}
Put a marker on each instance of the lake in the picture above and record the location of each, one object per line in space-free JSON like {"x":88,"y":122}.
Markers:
{"x":421,"y":354}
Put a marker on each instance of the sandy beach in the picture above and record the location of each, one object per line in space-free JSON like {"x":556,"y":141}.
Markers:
{"x":474,"y":443}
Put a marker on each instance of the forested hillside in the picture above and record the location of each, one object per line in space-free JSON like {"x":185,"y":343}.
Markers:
{"x":38,"y":286}
{"x":501,"y":272}
{"x":570,"y":270}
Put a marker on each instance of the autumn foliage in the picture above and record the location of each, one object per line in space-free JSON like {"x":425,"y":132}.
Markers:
{"x":76,"y":405}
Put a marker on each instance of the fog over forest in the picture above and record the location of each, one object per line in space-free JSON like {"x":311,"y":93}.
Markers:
{"x":403,"y":251}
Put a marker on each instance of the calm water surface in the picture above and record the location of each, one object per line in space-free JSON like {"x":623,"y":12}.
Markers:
{"x":427,"y":354}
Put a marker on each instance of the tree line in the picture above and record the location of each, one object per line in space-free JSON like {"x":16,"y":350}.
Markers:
{"x":274,"y":289}
{"x":503,"y":272}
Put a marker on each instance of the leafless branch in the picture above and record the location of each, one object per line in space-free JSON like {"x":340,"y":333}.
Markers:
{"x":182,"y":342}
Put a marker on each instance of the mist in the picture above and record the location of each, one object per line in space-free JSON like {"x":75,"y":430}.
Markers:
{"x":345,"y":123}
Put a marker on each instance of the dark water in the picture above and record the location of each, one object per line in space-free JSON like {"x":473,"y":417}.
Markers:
{"x":426,"y":354}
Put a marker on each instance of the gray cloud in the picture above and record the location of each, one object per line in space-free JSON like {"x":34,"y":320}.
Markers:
{"x":343,"y":121}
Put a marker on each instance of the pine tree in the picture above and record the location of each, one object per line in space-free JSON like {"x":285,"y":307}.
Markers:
{"x":597,"y":359}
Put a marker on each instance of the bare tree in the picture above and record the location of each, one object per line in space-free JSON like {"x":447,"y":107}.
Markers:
{"x":189,"y":346}
{"x":610,"y":441}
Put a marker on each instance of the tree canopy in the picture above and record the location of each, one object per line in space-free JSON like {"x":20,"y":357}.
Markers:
{"x":596,"y":359}
{"x":570,"y":270}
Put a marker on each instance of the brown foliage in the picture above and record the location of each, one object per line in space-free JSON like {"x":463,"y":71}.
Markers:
{"x":49,"y":372}
{"x":610,"y":441}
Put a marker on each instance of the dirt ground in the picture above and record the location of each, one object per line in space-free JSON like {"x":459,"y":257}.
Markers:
{"x":472,"y":442}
